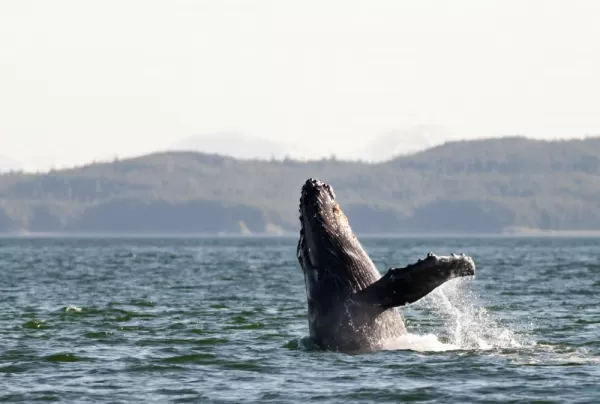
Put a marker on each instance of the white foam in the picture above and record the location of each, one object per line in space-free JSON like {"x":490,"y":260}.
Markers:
{"x":420,"y":343}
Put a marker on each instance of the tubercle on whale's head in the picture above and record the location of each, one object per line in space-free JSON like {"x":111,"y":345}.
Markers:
{"x":324,"y":226}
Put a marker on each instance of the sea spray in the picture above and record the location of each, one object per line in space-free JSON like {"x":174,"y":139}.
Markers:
{"x":469,"y":324}
{"x":461,"y":322}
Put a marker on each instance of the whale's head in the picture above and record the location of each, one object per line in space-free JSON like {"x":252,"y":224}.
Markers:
{"x":327,"y":243}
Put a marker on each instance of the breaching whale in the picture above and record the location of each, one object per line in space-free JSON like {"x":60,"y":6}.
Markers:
{"x":350,"y":305}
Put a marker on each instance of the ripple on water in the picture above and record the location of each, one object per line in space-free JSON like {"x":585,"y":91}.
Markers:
{"x":63,"y":357}
{"x":182,"y":341}
{"x":203,"y":358}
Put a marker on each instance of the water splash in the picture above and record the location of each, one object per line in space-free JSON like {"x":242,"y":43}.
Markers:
{"x":472,"y":325}
{"x":461,"y":322}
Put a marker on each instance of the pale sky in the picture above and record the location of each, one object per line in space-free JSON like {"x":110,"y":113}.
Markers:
{"x":92,"y":79}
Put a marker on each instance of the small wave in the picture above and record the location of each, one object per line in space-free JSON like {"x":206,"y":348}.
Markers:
{"x":63,"y":357}
{"x":35,"y":324}
{"x":181,"y":341}
{"x":304,"y":344}
{"x":202,"y":358}
{"x":553,"y":355}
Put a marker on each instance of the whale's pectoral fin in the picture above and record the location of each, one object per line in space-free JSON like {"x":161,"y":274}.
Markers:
{"x":403,"y":286}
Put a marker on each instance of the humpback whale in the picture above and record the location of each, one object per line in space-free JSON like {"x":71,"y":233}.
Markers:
{"x":351,"y":307}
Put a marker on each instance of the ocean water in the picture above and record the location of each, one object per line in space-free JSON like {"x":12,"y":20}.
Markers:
{"x":223,"y":320}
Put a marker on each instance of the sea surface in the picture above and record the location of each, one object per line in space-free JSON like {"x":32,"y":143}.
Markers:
{"x":223,"y":320}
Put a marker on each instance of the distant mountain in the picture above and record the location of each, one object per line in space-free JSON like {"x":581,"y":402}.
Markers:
{"x":401,"y":142}
{"x":239,"y":146}
{"x":9,"y":164}
{"x":482,"y":186}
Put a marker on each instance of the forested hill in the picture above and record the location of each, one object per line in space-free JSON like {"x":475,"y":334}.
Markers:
{"x":468,"y":186}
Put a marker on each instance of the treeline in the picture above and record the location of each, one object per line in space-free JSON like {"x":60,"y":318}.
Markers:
{"x":468,"y":186}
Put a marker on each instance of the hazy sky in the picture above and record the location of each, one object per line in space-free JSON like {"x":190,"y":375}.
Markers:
{"x":89,"y":79}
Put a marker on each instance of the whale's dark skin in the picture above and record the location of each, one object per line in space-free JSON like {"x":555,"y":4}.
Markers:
{"x":350,"y":305}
